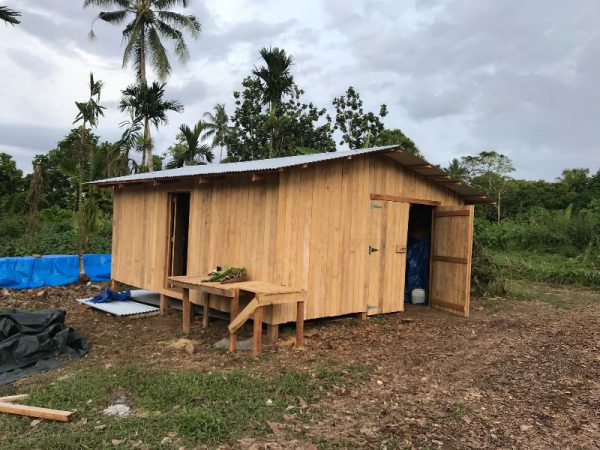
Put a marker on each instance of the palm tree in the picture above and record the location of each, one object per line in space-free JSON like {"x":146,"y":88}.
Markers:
{"x":146,"y":105}
{"x":9,"y":16}
{"x":188,"y":150}
{"x":217,"y":127}
{"x":275,"y":77}
{"x":149,"y":22}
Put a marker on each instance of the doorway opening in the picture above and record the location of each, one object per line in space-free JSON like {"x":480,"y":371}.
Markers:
{"x":179,"y":220}
{"x":418,"y":248}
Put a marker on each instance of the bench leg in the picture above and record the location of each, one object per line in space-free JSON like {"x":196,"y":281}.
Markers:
{"x":206,"y":305}
{"x":257,"y":335}
{"x":300,"y":325}
{"x":272,"y":334}
{"x":187,"y":311}
{"x":164,"y":304}
{"x":235,"y":310}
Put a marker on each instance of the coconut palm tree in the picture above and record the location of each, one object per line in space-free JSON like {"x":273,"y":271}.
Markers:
{"x":147,"y":105}
{"x":217,"y":127}
{"x":9,"y":16}
{"x":275,"y":76}
{"x":149,"y":22}
{"x":188,"y":150}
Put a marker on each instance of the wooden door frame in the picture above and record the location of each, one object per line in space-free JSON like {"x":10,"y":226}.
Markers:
{"x":171,"y":193}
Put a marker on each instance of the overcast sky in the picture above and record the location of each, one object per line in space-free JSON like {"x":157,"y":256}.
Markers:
{"x":459,"y":77}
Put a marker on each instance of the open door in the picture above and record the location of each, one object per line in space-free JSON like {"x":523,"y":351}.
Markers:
{"x":451,"y":249}
{"x":387,"y":256}
{"x":179,"y":218}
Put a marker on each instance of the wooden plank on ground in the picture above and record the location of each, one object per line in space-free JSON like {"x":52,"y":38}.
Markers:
{"x":13,"y":398}
{"x":34,"y":411}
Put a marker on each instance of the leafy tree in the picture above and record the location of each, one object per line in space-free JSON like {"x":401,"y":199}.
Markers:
{"x":217,"y":127}
{"x":489,"y":171}
{"x":188,"y":150}
{"x":457,"y":169}
{"x":359,"y":129}
{"x":11,"y":184}
{"x":9,"y":16}
{"x":146,"y":104}
{"x":149,"y":23}
{"x":297,"y":124}
{"x":395,"y":136}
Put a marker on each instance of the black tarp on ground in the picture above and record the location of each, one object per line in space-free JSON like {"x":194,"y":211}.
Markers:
{"x":33,"y":342}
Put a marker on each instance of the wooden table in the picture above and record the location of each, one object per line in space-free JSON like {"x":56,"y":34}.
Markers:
{"x":265,"y":294}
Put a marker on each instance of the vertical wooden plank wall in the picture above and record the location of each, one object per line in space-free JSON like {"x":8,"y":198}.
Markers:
{"x":307,"y":228}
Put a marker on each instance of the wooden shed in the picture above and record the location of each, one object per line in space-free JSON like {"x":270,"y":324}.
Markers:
{"x":334,"y":224}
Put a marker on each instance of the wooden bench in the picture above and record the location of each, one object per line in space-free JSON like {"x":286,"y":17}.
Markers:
{"x":264,"y":294}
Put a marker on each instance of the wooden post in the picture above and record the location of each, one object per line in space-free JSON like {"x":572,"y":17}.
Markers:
{"x":206,"y":305}
{"x":187,"y":311}
{"x":362,"y":315}
{"x":114,"y":285}
{"x":235,"y":310}
{"x":257,"y":335}
{"x":164,"y":304}
{"x":272,"y":333}
{"x":300,"y":325}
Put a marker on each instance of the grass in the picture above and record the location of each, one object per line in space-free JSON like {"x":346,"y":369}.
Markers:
{"x":548,"y":267}
{"x":189,"y":407}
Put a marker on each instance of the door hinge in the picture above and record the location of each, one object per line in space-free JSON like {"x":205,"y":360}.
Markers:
{"x":369,"y":307}
{"x":375,"y":205}
{"x":372,"y":249}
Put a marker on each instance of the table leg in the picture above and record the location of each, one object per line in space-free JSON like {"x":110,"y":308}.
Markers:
{"x":164,"y":302}
{"x":187,"y":310}
{"x":300,"y":325}
{"x":257,"y":334}
{"x":206,"y":305}
{"x":235,"y":309}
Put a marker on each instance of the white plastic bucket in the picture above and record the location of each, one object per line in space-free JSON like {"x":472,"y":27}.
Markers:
{"x":418,"y":297}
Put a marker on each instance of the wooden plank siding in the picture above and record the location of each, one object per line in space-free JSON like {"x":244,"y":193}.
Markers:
{"x":309,"y":228}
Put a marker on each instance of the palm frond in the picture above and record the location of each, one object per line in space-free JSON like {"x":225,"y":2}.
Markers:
{"x":160,"y":61}
{"x":113,"y":17}
{"x":164,"y":4}
{"x":9,"y":16}
{"x":189,"y":23}
{"x":109,"y":3}
{"x":175,"y":35}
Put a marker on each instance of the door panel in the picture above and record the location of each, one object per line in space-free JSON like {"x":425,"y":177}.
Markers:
{"x":450,"y":274}
{"x":386,"y":256}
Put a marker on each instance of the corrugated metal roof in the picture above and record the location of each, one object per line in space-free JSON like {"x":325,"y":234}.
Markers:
{"x":415,"y":163}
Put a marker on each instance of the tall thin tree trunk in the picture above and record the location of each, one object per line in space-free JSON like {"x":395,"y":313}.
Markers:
{"x":221,"y":155}
{"x":147,"y":144}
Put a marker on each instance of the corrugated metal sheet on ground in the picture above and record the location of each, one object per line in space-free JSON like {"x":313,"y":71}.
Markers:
{"x":125,"y":308}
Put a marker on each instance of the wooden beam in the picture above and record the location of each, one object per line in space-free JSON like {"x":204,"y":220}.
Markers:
{"x":13,"y":398}
{"x":300,"y":325}
{"x":34,"y":411}
{"x":209,"y":179}
{"x":272,"y":333}
{"x":243,"y":316}
{"x":205,"y":309}
{"x":257,"y":331}
{"x":397,"y":198}
{"x":233,"y":313}
{"x":187,"y":311}
{"x":452,"y":213}
{"x":419,"y":166}
{"x":451,"y":259}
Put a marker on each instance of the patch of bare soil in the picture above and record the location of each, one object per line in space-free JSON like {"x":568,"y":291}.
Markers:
{"x":515,"y":374}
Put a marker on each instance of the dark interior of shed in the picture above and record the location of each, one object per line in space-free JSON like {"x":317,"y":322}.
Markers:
{"x":417,"y":250}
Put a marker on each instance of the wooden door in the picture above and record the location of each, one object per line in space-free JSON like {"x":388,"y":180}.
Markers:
{"x":450,"y":272}
{"x":386,"y":253}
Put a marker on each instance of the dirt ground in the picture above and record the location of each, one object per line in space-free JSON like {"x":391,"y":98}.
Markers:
{"x":516,"y":374}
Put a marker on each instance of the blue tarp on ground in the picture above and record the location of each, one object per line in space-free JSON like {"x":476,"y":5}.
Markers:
{"x":97,"y":267}
{"x":52,"y":270}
